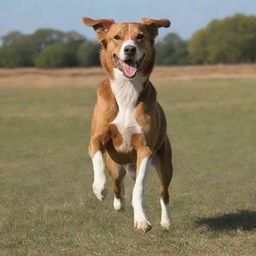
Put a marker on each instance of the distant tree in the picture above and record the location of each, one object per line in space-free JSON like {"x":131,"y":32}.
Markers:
{"x":73,"y":36}
{"x":73,"y":41}
{"x":3,"y":56}
{"x":20,"y":50}
{"x":197,"y":47}
{"x":172,"y":50}
{"x":88,"y":54}
{"x":11,"y":38}
{"x":53,"y":56}
{"x":231,"y":40}
{"x":45,"y":37}
{"x":18,"y":53}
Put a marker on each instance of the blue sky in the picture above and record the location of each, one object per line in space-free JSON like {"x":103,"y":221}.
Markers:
{"x":187,"y":16}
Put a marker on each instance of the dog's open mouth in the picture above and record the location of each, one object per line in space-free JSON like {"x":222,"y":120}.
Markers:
{"x":129,"y":67}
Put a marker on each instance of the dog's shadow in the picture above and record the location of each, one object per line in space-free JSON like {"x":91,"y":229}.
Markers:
{"x":245,"y":220}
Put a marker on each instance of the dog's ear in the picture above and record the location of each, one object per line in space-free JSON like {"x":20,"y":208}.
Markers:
{"x":101,"y":26}
{"x":153,"y":25}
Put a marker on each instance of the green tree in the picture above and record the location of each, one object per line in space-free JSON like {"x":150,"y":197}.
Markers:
{"x":18,"y":53}
{"x":197,"y":47}
{"x":88,"y":54}
{"x":11,"y":38}
{"x":172,"y":50}
{"x":73,"y":41}
{"x":231,"y":40}
{"x":53,"y":56}
{"x":45,"y":37}
{"x":3,"y":56}
{"x":73,"y":36}
{"x":20,"y":50}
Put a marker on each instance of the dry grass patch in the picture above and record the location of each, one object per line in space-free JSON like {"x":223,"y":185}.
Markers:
{"x":92,"y":76}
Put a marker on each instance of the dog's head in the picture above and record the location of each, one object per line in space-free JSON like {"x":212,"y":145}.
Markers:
{"x":128,"y":47}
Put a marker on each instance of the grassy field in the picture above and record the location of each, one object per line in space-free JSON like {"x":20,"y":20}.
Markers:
{"x":47,"y":206}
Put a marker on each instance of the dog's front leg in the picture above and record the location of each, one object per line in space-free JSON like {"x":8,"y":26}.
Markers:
{"x":96,"y":154}
{"x":140,"y":219}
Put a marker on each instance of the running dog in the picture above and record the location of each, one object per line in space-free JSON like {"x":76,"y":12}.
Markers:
{"x":128,"y":124}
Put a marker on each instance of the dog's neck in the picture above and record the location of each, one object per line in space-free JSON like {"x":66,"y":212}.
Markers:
{"x":127,"y":92}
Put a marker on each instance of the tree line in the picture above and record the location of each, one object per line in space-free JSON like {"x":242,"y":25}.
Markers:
{"x":230,"y":40}
{"x":48,"y":48}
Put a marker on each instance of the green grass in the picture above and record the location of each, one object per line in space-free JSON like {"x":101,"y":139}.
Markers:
{"x":47,"y":206}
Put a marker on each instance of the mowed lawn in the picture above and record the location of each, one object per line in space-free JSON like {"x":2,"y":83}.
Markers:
{"x":47,"y":205}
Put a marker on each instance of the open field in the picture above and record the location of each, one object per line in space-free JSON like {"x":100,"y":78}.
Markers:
{"x":47,"y":206}
{"x":91,"y":76}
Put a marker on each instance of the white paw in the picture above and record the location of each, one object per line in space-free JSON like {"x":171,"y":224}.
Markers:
{"x":118,"y":204}
{"x":143,"y":225}
{"x":99,"y":191}
{"x":165,"y":217}
{"x":165,"y":224}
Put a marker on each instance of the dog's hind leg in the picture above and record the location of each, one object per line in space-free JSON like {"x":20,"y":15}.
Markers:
{"x":163,"y":164}
{"x":117,"y":173}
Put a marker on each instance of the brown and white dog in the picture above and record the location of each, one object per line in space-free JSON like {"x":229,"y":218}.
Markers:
{"x":128,"y":124}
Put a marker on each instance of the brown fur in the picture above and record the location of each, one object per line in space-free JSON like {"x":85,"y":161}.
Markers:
{"x":153,"y":142}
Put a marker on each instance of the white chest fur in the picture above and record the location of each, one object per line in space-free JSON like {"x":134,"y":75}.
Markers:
{"x":126,"y":93}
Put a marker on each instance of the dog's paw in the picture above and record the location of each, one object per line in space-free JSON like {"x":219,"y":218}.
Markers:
{"x":143,"y":225}
{"x":165,"y":224}
{"x":99,"y":191}
{"x":119,"y":204}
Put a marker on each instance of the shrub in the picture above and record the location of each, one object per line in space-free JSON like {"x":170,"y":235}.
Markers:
{"x":88,"y":54}
{"x":231,"y":40}
{"x":172,"y":50}
{"x":53,"y":56}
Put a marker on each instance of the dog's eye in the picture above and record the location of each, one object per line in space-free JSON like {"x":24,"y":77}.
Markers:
{"x":117,"y":37}
{"x":140,"y":36}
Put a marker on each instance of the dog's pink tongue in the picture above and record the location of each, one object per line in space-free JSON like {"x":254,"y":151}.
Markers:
{"x":129,"y":70}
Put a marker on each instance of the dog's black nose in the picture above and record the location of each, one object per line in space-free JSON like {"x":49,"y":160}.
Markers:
{"x":130,"y":50}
